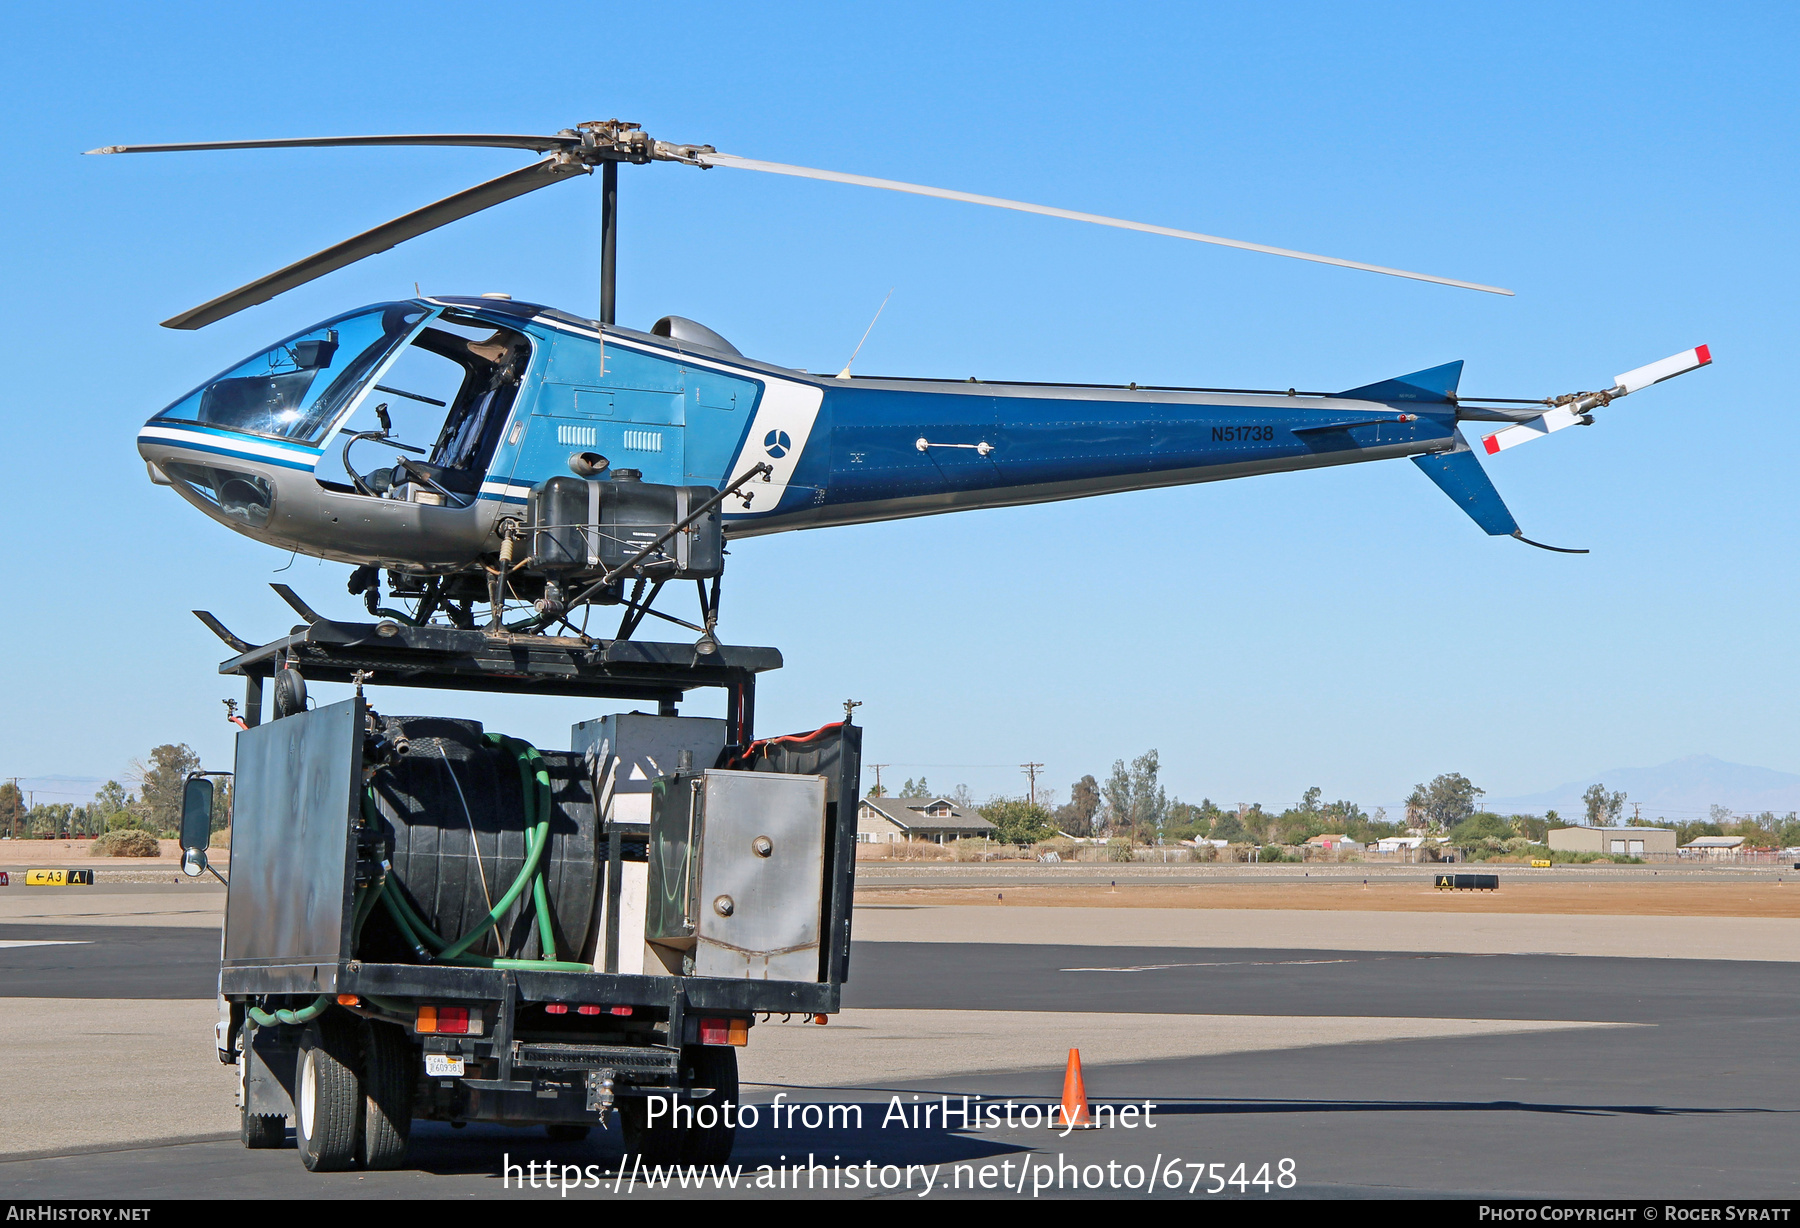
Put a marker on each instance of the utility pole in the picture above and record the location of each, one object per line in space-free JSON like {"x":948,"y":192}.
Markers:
{"x":878,"y":766}
{"x":1635,"y":808}
{"x":1031,"y":770}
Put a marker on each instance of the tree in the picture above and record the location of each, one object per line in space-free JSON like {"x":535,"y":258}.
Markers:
{"x":915,"y":788}
{"x":162,"y":782}
{"x":1309,"y":804}
{"x":962,"y":799}
{"x":1445,"y":802}
{"x":222,"y":795}
{"x":1018,"y":820}
{"x":879,"y":790}
{"x":1077,"y":818}
{"x":1228,"y":827}
{"x":1480,"y":827}
{"x":1135,"y":803}
{"x":1603,"y":808}
{"x":1185,"y":821}
{"x":1115,"y":797}
{"x":12,"y":809}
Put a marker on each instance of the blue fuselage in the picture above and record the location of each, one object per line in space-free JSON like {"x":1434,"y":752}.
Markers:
{"x":842,"y":451}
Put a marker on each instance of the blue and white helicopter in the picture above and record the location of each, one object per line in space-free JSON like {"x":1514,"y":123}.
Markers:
{"x":557,"y":460}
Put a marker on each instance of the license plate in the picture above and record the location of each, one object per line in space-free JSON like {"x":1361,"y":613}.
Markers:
{"x":442,"y":1065}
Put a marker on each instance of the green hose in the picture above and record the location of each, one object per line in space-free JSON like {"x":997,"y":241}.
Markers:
{"x":534,"y":783}
{"x":305,"y":1014}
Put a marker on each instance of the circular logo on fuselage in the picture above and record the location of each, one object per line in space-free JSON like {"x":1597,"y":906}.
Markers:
{"x":777,"y":443}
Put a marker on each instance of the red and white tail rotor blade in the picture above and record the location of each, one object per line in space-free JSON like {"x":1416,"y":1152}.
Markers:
{"x":1575,"y":412}
{"x":1668,"y":368}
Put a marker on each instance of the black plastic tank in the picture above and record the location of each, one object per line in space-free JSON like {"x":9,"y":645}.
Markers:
{"x":635,"y":513}
{"x":556,"y":513}
{"x":453,"y":814}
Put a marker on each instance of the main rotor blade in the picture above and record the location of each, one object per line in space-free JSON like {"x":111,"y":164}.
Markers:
{"x":474,"y":200}
{"x":894,"y":185}
{"x":541,"y":144}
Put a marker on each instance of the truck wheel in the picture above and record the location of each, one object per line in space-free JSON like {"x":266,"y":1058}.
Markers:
{"x":564,"y":1133}
{"x":713,"y":1066}
{"x":390,"y":1072}
{"x":327,"y":1096}
{"x":255,"y":1131}
{"x":657,"y":1144}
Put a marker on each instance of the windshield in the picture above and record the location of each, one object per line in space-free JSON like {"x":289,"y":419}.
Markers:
{"x":295,"y":389}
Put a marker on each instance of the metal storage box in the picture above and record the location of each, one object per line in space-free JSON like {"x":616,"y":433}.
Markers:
{"x":737,"y":872}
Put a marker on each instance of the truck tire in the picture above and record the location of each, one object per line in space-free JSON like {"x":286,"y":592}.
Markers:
{"x":390,"y":1073}
{"x":255,"y":1131}
{"x":660,"y":1143}
{"x":713,"y":1066}
{"x":328,"y":1096}
{"x":710,"y":1066}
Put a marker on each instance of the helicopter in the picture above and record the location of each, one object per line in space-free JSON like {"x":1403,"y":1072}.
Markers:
{"x":570,"y":463}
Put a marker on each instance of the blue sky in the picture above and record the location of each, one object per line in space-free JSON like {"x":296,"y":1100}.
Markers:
{"x":1628,"y":170}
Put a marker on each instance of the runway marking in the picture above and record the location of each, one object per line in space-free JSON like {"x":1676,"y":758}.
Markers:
{"x":1278,"y":963}
{"x":1229,"y":963}
{"x":44,"y":942}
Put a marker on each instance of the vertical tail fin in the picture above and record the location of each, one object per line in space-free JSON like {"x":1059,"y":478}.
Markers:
{"x":1459,"y":475}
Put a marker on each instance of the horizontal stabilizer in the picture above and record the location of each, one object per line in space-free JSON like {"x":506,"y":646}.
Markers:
{"x":1434,"y":384}
{"x":1459,"y":475}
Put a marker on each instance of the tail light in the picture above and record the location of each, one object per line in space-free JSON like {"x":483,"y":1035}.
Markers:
{"x":724,"y":1031}
{"x":555,"y":1008}
{"x":448,"y":1021}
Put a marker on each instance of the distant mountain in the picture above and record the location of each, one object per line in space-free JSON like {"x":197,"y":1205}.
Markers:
{"x":54,"y":790}
{"x":1683,"y":790}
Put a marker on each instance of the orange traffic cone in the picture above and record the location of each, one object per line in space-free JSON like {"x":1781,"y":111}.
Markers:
{"x":1074,"y":1098}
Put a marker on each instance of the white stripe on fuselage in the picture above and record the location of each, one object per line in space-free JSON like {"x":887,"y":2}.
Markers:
{"x":783,"y":423}
{"x":242,"y":445}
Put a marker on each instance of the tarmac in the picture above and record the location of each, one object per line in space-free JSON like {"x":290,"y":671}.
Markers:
{"x":1384,"y":1054}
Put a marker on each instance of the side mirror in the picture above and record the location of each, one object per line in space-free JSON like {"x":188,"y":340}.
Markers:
{"x":196,"y":816}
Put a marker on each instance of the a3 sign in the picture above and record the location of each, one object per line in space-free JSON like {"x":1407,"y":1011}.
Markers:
{"x":58,"y":878}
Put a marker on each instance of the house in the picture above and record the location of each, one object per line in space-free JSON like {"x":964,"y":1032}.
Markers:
{"x":1399,"y":844}
{"x":1629,"y":841}
{"x":1713,"y":846}
{"x":1334,"y":842}
{"x":884,"y":820}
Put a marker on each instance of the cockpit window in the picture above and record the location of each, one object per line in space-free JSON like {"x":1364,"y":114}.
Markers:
{"x":295,"y":389}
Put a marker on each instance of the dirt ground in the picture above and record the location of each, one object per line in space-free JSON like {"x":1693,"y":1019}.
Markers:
{"x":55,"y":853}
{"x":1637,"y":899}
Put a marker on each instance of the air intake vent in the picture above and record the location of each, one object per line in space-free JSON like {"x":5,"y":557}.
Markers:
{"x":642,"y":441}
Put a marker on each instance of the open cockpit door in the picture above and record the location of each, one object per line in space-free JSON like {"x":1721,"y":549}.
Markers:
{"x":429,"y":430}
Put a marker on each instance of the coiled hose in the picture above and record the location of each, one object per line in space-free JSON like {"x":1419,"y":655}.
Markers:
{"x":427,"y":944}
